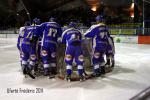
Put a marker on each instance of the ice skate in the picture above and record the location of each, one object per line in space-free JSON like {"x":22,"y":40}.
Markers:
{"x":108,"y":68}
{"x":68,"y":78}
{"x":46,"y":72}
{"x":103,"y":70}
{"x":81,"y":78}
{"x":51,"y":75}
{"x":30,"y":73}
{"x":86,"y":75}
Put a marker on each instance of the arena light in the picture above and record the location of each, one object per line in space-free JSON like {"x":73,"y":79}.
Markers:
{"x":132,"y":9}
{"x":132,"y":15}
{"x":94,"y":8}
{"x":132,"y":5}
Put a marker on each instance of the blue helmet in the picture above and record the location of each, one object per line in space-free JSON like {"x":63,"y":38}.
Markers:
{"x":27,"y":23}
{"x":36,"y":21}
{"x":52,"y":19}
{"x":72,"y":24}
{"x":99,"y":18}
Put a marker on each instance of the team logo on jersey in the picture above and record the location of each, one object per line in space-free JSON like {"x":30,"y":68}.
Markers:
{"x":80,"y":58}
{"x":53,"y":55}
{"x":33,"y":57}
{"x":96,"y":54}
{"x":44,"y":53}
{"x":68,"y":57}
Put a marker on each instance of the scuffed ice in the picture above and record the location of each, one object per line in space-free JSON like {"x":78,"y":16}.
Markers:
{"x":130,"y":76}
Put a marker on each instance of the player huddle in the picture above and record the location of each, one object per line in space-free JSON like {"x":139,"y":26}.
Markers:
{"x":38,"y":44}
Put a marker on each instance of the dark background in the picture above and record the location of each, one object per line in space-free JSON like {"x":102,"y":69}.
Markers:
{"x":13,"y":13}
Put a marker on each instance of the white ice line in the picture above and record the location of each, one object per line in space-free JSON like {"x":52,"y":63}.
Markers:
{"x":7,"y":46}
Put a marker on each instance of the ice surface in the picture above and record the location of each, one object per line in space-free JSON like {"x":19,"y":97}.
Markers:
{"x":130,"y":76}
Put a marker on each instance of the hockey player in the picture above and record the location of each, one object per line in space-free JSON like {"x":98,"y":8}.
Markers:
{"x":64,"y":28}
{"x":51,"y":33}
{"x":20,"y":38}
{"x":35,"y":47}
{"x":28,"y":47}
{"x":99,"y":34}
{"x":110,"y":61}
{"x":72,"y":38}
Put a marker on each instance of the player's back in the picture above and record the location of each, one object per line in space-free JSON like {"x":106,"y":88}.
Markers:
{"x":29,"y":32}
{"x":51,"y":31}
{"x":102,"y":33}
{"x":99,"y":32}
{"x":72,"y":35}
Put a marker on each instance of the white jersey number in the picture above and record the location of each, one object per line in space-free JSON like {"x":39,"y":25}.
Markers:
{"x":103,"y":34}
{"x":52,"y":32}
{"x":29,"y":35}
{"x":74,"y":37}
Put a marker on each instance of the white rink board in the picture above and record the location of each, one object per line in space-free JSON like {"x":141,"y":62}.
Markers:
{"x":130,"y":76}
{"x":123,"y":38}
{"x":8,"y":35}
{"x":126,"y":38}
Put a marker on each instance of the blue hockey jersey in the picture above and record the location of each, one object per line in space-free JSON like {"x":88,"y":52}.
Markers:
{"x":71,"y":35}
{"x":29,"y":33}
{"x":20,"y":37}
{"x":99,"y":33}
{"x":51,"y":31}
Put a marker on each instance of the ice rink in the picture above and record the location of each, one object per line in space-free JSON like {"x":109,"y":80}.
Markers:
{"x":130,"y":76}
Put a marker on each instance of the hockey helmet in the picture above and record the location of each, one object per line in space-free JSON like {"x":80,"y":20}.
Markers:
{"x":99,"y":18}
{"x":36,"y":21}
{"x":52,"y":19}
{"x":72,"y":24}
{"x":27,"y":23}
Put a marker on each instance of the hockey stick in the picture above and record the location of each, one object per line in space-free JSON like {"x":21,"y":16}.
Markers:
{"x":31,"y":75}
